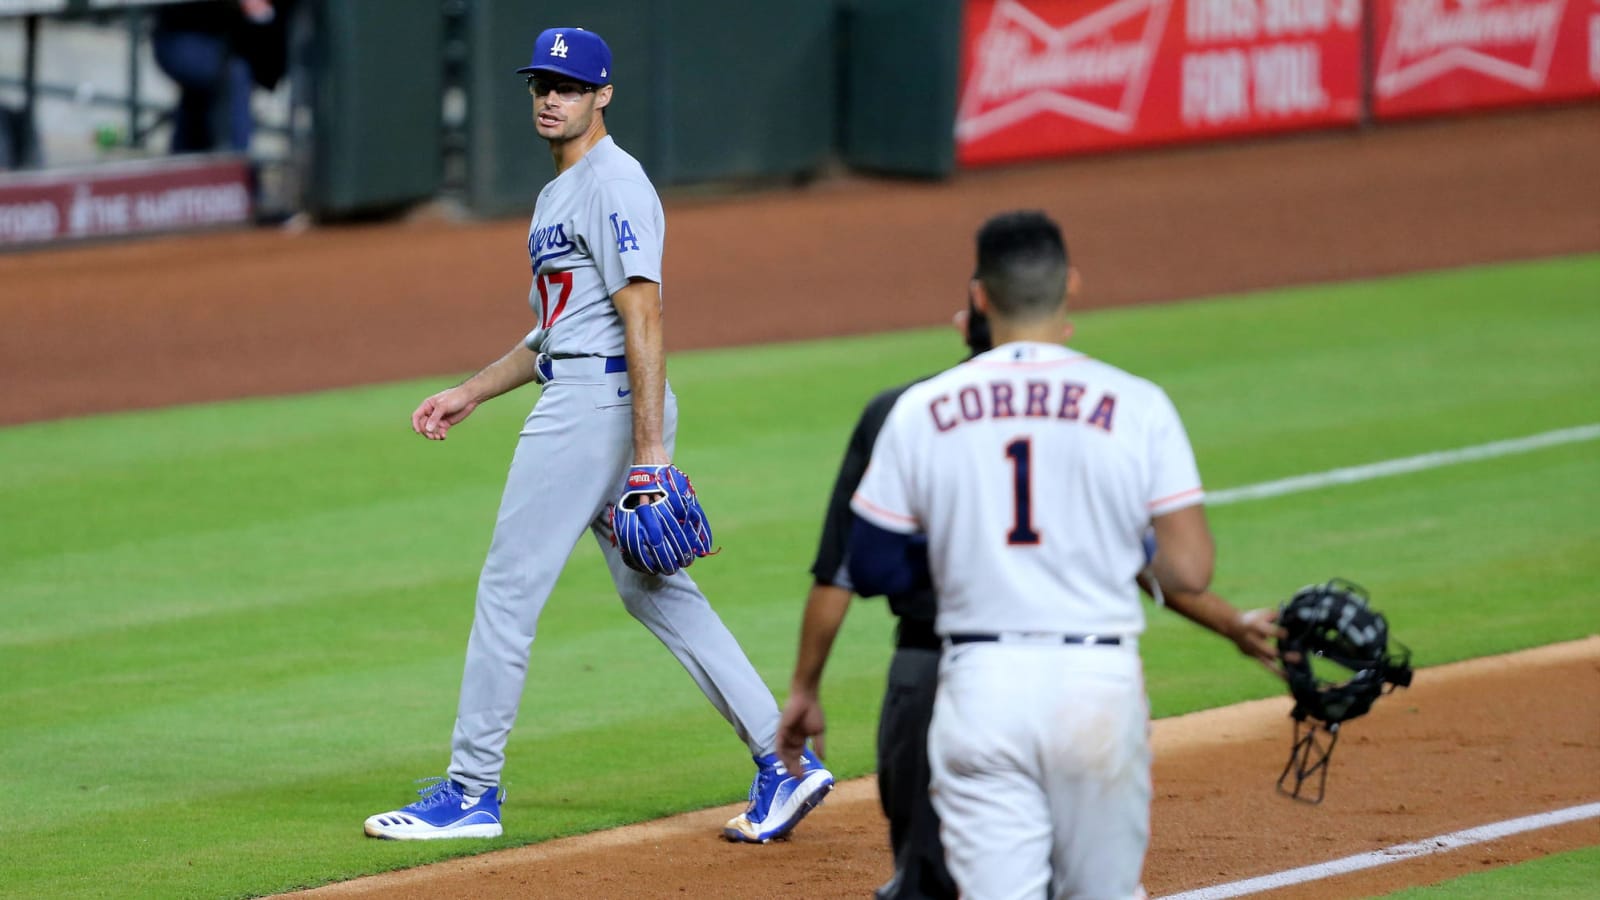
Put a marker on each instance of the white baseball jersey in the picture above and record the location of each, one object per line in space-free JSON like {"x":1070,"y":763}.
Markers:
{"x":1034,"y":470}
{"x":595,"y":226}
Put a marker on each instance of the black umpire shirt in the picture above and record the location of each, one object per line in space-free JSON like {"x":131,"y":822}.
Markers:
{"x":916,"y":609}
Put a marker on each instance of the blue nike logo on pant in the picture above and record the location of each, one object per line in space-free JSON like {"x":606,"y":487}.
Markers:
{"x":623,"y":392}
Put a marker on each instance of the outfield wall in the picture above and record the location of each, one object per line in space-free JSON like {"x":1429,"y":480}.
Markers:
{"x":1044,"y":78}
{"x":713,"y":92}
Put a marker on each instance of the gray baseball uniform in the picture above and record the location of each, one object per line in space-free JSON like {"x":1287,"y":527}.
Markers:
{"x":596,"y":226}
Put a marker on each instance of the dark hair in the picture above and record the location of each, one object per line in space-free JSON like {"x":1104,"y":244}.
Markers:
{"x":1022,"y":262}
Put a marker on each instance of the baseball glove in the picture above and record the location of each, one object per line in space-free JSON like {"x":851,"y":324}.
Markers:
{"x":658,"y":524}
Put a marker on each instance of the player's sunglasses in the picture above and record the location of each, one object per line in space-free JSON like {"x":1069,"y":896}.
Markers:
{"x":568,"y":91}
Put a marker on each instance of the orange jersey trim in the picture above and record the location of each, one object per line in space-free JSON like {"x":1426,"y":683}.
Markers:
{"x":886,"y":513}
{"x":1163,"y":501}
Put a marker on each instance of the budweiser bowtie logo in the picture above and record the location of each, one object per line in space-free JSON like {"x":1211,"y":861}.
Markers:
{"x":1510,"y":40}
{"x":1094,"y":69}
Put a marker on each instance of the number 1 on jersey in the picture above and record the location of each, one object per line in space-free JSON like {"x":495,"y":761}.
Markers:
{"x":562,"y":280}
{"x":1022,"y":531}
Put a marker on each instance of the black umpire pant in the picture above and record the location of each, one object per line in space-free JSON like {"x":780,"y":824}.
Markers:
{"x":919,"y":870}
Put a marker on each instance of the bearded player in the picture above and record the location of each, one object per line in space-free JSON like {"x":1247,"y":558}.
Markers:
{"x":1021,"y":485}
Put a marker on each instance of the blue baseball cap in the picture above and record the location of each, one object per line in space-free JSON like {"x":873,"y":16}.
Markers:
{"x":572,"y":52}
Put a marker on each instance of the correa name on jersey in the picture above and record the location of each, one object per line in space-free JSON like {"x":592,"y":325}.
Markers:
{"x":547,"y":243}
{"x":1064,"y":401}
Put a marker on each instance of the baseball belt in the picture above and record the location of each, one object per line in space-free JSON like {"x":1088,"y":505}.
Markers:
{"x":548,"y":368}
{"x":1087,"y":640}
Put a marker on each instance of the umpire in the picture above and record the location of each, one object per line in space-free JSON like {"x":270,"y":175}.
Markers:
{"x":919,"y":870}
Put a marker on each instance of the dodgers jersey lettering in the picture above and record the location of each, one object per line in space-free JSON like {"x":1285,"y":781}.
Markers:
{"x":1034,"y":470}
{"x":594,"y":226}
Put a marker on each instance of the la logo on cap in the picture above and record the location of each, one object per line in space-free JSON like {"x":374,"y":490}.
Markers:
{"x":559,"y":48}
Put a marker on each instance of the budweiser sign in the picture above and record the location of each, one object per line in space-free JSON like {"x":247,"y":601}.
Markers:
{"x":1042,"y":78}
{"x":1093,"y":70}
{"x":1508,"y":40}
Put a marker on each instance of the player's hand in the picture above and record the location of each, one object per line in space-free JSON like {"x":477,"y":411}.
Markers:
{"x":1256,"y":634}
{"x":434,"y":416}
{"x":650,"y":458}
{"x":802,"y":719}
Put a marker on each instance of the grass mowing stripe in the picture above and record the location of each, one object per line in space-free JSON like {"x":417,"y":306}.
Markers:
{"x":1441,"y":571}
{"x":1392,"y":467}
{"x":122,"y":584}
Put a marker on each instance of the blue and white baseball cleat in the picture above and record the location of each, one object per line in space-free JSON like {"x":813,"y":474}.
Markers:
{"x":778,"y":800}
{"x":445,"y":811}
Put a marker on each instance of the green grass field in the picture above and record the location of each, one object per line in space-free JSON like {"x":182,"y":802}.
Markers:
{"x":1557,"y":877}
{"x":233,"y":631}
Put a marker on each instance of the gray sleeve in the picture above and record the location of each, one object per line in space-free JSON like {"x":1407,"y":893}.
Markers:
{"x":625,"y":232}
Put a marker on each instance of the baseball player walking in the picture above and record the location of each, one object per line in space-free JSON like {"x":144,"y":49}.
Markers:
{"x":595,"y":249}
{"x":1021,"y":484}
{"x":902,"y":764}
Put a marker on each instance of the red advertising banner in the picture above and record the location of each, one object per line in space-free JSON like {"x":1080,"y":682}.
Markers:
{"x":1436,"y":56}
{"x":1050,"y":77}
{"x":139,"y":198}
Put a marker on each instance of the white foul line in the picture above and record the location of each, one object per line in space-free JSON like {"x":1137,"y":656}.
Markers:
{"x":1440,"y":844}
{"x":1401,"y":466}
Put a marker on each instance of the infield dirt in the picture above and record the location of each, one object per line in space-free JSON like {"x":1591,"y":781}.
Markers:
{"x":1468,"y":744}
{"x":214,"y":317}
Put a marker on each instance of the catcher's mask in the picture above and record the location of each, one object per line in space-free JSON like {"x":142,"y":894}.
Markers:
{"x":1330,"y":628}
